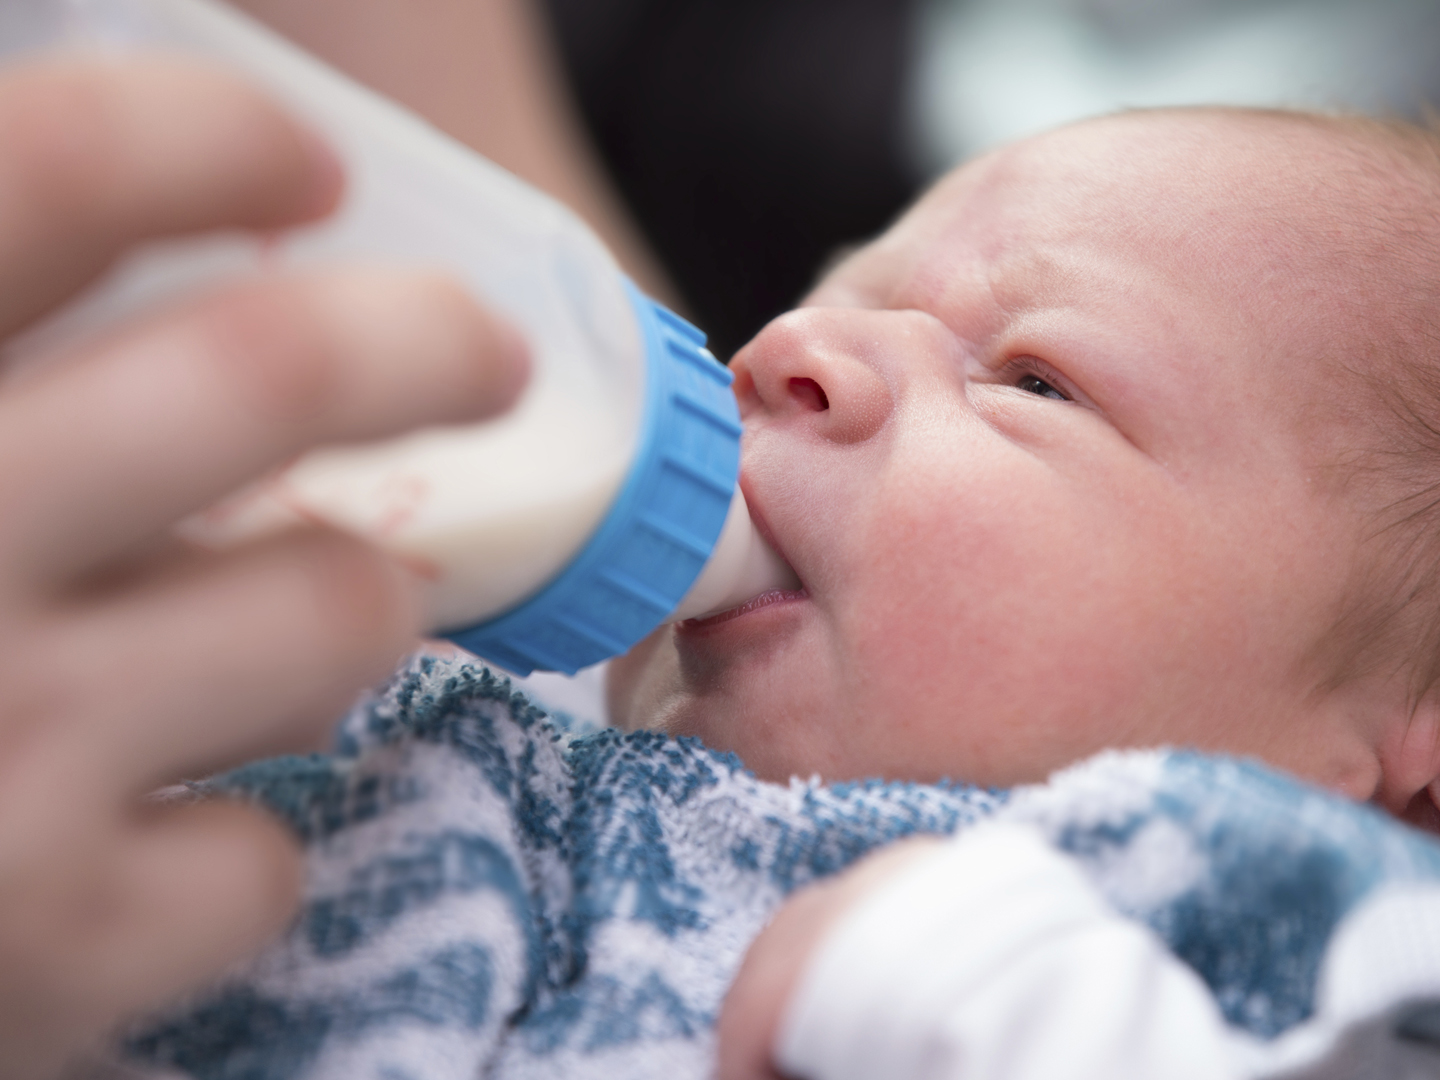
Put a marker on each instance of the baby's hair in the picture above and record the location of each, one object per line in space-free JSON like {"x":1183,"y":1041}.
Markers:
{"x":1391,"y":622}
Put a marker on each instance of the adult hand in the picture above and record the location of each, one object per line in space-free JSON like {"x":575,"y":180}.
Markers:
{"x":755,"y":1006}
{"x":127,"y":659}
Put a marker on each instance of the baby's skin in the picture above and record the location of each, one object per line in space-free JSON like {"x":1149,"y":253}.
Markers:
{"x":1060,"y":463}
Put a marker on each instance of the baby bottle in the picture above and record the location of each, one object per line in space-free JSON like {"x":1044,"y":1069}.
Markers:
{"x":551,"y":538}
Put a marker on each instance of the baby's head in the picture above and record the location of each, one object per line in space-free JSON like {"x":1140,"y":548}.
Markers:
{"x":1125,"y":435}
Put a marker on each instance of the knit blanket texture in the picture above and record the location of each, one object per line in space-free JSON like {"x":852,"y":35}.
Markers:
{"x":489,"y":895}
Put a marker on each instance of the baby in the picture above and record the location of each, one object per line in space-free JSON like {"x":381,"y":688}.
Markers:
{"x":1124,"y":436}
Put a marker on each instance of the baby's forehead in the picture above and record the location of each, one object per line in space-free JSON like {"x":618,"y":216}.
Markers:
{"x":1229,"y":179}
{"x":1268,"y":210}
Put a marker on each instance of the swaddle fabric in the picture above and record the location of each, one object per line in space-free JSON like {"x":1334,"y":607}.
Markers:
{"x":488,"y":896}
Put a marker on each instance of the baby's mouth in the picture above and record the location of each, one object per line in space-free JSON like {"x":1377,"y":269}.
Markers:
{"x":755,"y":603}
{"x":744,"y":568}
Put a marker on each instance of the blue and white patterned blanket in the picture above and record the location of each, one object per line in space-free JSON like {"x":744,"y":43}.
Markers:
{"x":488,"y":896}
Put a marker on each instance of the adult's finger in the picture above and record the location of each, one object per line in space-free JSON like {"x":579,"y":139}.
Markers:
{"x":96,"y":155}
{"x":204,"y":885}
{"x":232,"y":656}
{"x":161,"y":905}
{"x":99,"y":454}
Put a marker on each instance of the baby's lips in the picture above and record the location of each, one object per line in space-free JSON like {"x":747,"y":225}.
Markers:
{"x":755,"y":603}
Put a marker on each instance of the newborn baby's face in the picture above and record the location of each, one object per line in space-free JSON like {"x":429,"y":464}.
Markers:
{"x":1044,"y":458}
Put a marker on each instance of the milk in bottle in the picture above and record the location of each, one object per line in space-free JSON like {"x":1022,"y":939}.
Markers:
{"x":552,"y":537}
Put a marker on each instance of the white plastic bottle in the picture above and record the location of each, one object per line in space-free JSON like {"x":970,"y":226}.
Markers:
{"x":551,"y":538}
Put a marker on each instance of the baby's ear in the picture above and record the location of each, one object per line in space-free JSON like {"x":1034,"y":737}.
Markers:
{"x":1410,"y":766}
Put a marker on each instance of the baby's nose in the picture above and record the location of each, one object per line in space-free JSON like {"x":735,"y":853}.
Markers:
{"x":827,"y":367}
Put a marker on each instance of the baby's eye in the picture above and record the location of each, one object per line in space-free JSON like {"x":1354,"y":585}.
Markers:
{"x":1033,"y":384}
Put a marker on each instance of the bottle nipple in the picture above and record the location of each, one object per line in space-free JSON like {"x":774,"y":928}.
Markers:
{"x":741,"y":567}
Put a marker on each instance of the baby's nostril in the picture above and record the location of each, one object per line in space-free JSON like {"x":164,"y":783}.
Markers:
{"x":809,"y":392}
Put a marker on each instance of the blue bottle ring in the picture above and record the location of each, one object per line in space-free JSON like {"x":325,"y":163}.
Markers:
{"x":661,"y":529}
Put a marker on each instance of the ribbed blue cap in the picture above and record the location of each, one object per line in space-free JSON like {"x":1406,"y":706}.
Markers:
{"x":659,"y":532}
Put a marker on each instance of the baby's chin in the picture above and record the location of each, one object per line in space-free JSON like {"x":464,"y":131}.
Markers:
{"x":783,"y":703}
{"x":646,"y":690}
{"x":774,"y":738}
{"x":754,"y":718}
{"x":636,"y":682}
